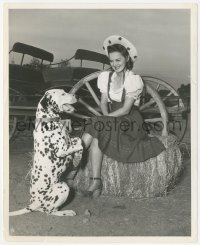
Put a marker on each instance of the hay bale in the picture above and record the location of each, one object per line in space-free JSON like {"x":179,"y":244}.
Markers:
{"x":145,"y":179}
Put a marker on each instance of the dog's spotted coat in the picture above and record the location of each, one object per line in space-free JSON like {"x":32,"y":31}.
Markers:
{"x":53,"y":152}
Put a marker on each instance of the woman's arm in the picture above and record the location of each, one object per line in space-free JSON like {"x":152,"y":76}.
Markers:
{"x":125,"y":109}
{"x":104,"y":104}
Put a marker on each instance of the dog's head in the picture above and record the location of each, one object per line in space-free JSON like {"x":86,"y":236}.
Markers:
{"x":51,"y":104}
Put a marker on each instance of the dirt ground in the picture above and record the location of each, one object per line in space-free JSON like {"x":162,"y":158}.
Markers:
{"x":162,"y":216}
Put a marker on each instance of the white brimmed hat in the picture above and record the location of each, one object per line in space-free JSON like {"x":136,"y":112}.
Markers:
{"x":115,"y":39}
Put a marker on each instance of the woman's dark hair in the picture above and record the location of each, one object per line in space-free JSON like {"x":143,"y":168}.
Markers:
{"x":121,"y":49}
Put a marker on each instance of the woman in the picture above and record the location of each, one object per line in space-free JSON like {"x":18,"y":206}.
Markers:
{"x":119,"y":133}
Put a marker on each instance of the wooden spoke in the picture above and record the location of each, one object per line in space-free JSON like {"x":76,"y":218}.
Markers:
{"x":92,"y":93}
{"x":96,"y":113}
{"x":173,"y":103}
{"x":148,"y":104}
{"x":158,"y":86}
{"x":169,"y":94}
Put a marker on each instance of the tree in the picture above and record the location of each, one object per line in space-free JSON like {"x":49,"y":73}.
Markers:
{"x":36,"y":64}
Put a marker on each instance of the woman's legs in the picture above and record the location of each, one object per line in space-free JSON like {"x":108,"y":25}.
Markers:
{"x":95,"y":163}
{"x":95,"y":159}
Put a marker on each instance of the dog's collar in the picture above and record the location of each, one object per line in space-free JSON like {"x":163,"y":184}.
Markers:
{"x":48,"y":119}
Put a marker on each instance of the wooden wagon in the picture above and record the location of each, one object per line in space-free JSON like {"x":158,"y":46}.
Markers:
{"x":162,"y":107}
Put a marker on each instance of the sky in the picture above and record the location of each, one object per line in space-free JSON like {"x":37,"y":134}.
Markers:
{"x":161,"y":37}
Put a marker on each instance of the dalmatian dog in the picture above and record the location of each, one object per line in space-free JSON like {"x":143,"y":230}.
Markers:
{"x":54,"y":150}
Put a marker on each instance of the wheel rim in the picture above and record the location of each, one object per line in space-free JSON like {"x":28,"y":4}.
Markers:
{"x":156,"y":120}
{"x":96,"y":111}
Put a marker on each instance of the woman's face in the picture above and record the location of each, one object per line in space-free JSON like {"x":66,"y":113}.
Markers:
{"x":117,"y":61}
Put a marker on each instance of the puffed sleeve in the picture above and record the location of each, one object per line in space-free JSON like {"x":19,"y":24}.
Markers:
{"x":133,"y":86}
{"x":102,"y":81}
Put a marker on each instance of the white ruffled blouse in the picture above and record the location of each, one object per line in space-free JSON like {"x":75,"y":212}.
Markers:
{"x":133,"y":86}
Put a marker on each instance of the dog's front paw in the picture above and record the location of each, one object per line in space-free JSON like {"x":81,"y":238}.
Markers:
{"x":74,"y":148}
{"x":60,"y":153}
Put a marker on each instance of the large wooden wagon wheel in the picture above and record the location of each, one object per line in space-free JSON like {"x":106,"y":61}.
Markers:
{"x":15,"y":98}
{"x":94,"y":108}
{"x":177,"y":111}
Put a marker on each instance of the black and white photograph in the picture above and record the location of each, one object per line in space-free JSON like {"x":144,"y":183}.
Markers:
{"x":99,"y":122}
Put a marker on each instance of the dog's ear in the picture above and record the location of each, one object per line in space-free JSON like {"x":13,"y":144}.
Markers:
{"x":44,"y":102}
